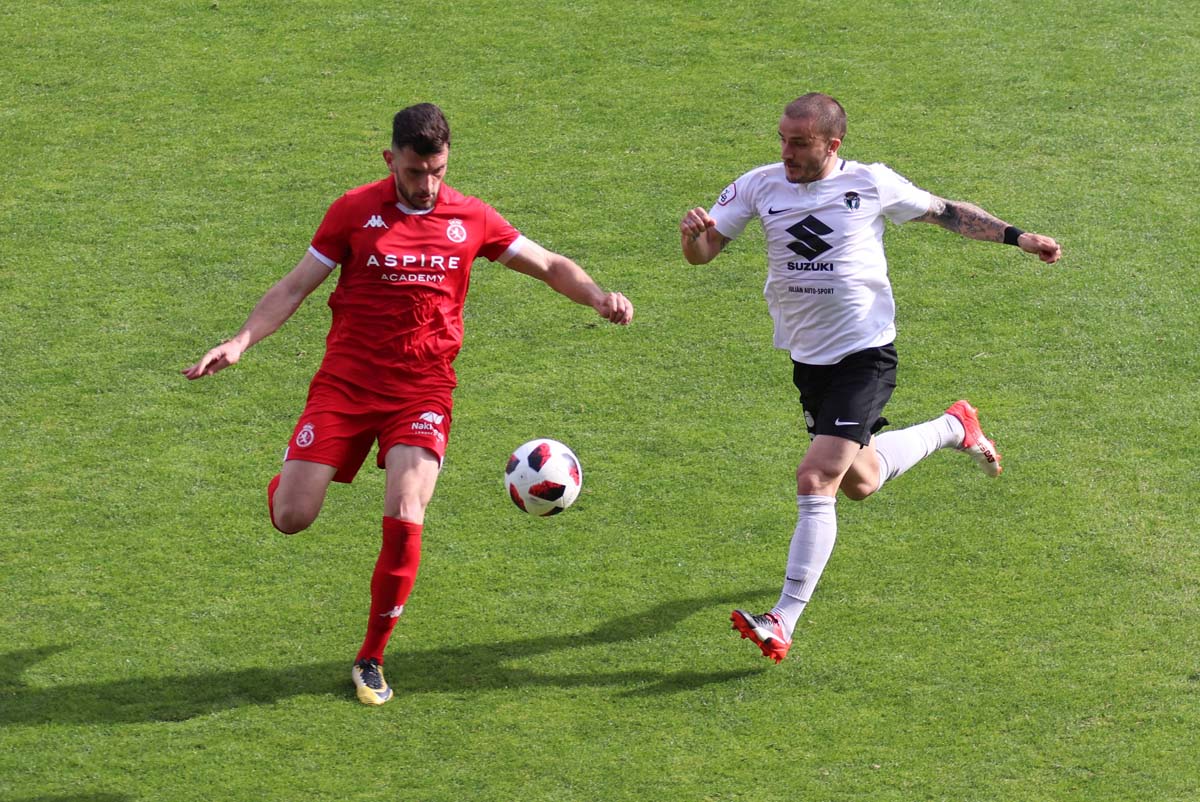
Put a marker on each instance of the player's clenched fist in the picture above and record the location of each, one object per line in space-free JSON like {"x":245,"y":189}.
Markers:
{"x":1043,"y":247}
{"x":616,"y":308}
{"x":695,"y":223}
{"x":700,"y":239}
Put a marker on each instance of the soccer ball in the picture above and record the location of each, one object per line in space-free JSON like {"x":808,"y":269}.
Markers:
{"x":543,"y":477}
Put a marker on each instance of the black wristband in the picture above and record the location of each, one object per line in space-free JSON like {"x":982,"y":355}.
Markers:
{"x":1011,"y":235}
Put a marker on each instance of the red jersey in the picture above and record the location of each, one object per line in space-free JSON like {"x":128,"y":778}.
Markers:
{"x":397,"y":307}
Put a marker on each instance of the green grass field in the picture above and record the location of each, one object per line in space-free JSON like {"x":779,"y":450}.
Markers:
{"x":1028,"y":639}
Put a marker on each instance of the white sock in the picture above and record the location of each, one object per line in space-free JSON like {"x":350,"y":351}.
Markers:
{"x":812,"y":543}
{"x":900,"y":450}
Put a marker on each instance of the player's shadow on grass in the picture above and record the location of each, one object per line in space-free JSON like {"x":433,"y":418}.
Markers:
{"x":437,"y":669}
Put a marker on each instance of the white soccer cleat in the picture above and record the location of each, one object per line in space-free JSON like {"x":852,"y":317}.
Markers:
{"x":974,"y":442}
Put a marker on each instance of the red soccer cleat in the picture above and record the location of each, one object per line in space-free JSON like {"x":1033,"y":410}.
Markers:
{"x":765,"y":630}
{"x":974,"y":442}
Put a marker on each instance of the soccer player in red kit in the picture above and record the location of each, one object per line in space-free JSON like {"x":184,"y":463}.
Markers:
{"x":405,"y":245}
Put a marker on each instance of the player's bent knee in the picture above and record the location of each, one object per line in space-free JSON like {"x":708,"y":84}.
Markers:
{"x":815,"y":483}
{"x":857,"y":491}
{"x":290,"y":521}
{"x":406,"y":508}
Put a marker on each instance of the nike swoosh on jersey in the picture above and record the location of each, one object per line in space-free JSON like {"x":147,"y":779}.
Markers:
{"x":777,"y":211}
{"x":840,"y":422}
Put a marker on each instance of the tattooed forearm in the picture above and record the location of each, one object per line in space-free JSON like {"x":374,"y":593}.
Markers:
{"x":964,"y":218}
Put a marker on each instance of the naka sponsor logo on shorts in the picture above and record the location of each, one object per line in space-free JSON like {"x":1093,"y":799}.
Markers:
{"x":306,"y":435}
{"x":428,"y":423}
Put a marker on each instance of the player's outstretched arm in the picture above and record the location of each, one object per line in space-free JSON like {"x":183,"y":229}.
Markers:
{"x":973,"y":222}
{"x":279,"y":303}
{"x":569,"y":279}
{"x":699,"y":238}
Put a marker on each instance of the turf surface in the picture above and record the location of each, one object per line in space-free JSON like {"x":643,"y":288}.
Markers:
{"x":1025,"y":639}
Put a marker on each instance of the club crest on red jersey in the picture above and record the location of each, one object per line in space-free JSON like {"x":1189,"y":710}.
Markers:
{"x":456,"y":231}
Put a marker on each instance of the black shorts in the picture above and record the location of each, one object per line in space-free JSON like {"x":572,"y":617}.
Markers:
{"x":846,"y":400}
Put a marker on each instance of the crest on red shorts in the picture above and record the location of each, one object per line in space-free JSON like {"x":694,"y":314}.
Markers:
{"x":306,"y":435}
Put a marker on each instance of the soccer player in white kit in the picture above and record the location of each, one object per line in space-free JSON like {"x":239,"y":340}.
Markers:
{"x":829,"y":295}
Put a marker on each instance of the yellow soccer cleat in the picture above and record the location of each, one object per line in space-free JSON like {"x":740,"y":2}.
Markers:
{"x":369,"y":684}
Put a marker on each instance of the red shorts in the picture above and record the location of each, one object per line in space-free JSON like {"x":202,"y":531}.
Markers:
{"x":341,"y":423}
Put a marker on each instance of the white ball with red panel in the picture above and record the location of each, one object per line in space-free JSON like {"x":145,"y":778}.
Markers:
{"x":543,"y":477}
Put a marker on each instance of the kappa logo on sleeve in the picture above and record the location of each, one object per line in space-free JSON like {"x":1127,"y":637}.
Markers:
{"x":728,"y":194}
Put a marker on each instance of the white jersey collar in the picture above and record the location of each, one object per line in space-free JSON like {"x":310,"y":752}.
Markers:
{"x":407,"y":210}
{"x":812,"y":186}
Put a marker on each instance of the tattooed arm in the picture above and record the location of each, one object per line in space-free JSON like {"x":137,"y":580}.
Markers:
{"x":974,"y":223}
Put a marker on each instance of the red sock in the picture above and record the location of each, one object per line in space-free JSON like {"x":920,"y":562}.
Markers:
{"x":271,"y":488}
{"x":395,"y":573}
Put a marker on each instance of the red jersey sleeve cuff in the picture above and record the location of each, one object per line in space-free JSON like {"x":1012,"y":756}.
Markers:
{"x":322,"y":258}
{"x":512,"y":250}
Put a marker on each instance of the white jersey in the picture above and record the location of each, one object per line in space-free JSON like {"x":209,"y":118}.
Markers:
{"x":827,"y":283}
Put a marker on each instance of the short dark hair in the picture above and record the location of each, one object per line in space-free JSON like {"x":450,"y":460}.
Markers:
{"x":422,"y":127}
{"x":827,"y":113}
